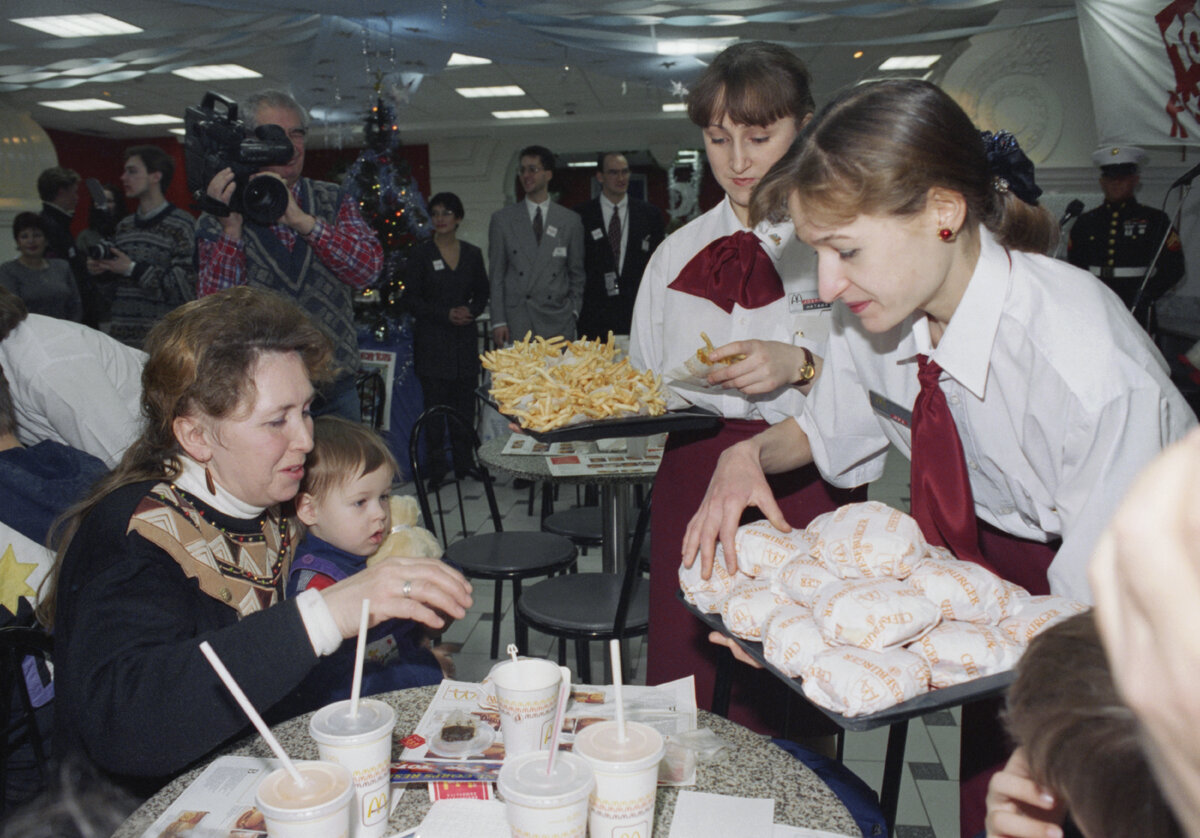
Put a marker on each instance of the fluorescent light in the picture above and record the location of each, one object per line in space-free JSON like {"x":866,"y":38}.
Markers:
{"x":212,"y":72}
{"x":674,"y":107}
{"x":457,"y":59}
{"x":82,"y":105}
{"x":582,"y":164}
{"x":95,"y":69}
{"x":147,"y":119}
{"x":693,"y":46}
{"x":528,"y":113}
{"x":78,"y":26}
{"x":490,"y":92}
{"x":909,"y":62}
{"x":180,"y":131}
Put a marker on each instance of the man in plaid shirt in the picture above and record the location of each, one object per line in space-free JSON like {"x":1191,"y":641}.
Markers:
{"x":316,"y":252}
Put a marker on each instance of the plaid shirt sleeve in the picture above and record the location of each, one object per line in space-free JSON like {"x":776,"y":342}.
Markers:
{"x":349,"y":248}
{"x":221,"y":264}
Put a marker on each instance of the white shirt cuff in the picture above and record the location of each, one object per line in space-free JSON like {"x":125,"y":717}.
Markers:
{"x":322,"y":629}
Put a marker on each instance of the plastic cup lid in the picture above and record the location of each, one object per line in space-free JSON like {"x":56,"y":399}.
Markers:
{"x":333,"y":724}
{"x":523,"y":780}
{"x":294,"y":804}
{"x":598,"y":743}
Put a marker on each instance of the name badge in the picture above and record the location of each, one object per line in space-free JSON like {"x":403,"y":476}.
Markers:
{"x":597,"y":234}
{"x":560,"y":251}
{"x":888,"y":409}
{"x":439,"y":265}
{"x":798,"y":303}
{"x":646,"y":245}
{"x":552,"y":231}
{"x":610,"y":284}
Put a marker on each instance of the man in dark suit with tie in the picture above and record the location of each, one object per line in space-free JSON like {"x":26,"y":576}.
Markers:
{"x":535,"y":258}
{"x":619,"y":235}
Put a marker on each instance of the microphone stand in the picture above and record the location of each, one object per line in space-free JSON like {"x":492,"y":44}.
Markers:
{"x":1174,"y":225}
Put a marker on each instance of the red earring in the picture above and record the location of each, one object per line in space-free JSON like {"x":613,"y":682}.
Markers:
{"x":946,"y":234}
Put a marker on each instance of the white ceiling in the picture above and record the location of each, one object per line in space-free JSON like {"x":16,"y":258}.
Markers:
{"x":581,"y":60}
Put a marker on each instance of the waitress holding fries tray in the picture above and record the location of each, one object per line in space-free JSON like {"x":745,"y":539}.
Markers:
{"x":754,"y":293}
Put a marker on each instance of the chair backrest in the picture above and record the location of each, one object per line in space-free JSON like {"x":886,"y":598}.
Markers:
{"x":17,"y":644}
{"x":459,"y":428}
{"x":633,"y":565}
{"x":372,"y":397}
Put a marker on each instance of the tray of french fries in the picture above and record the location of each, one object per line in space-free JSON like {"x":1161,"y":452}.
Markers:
{"x":566,"y":391}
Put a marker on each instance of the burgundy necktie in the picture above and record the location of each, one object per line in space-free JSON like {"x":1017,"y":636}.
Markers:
{"x":537,"y":225}
{"x":614,"y":237}
{"x":942,"y":502}
{"x":732,"y":269}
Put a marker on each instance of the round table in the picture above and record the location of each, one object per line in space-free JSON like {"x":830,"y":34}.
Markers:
{"x":614,"y":493}
{"x":750,"y":767}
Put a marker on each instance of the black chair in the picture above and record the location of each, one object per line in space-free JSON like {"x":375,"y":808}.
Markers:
{"x":372,"y":397}
{"x":21,"y":727}
{"x":497,"y":555}
{"x":593,"y":606}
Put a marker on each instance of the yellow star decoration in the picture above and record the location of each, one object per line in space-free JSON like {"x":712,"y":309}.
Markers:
{"x":13,"y":576}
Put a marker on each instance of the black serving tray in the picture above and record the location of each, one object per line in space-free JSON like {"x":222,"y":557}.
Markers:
{"x":930,"y":702}
{"x":686,"y":419}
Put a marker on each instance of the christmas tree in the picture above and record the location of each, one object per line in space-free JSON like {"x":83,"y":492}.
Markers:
{"x":388,"y":195}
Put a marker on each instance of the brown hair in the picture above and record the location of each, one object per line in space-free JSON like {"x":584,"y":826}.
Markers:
{"x":753,"y":83}
{"x":201,"y":360}
{"x":877,"y":149}
{"x":343,"y":451}
{"x":8,"y":413}
{"x":155,"y":160}
{"x":12,"y":312}
{"x":55,"y":179}
{"x":1081,"y":741}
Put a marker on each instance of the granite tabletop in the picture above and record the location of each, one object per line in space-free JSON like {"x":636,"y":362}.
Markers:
{"x":534,"y":467}
{"x":750,"y":767}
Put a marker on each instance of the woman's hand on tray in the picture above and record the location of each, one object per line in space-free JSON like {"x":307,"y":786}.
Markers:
{"x":1017,"y":807}
{"x":718,"y":639}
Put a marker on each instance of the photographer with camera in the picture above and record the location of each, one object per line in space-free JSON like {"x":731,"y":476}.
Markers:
{"x":152,"y":251}
{"x":315,"y":249}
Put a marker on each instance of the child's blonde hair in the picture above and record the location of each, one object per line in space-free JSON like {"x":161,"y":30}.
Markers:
{"x":342,"y":451}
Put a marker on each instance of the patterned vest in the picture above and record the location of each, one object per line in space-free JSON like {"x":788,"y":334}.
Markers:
{"x":244,"y":571}
{"x":299,"y":275}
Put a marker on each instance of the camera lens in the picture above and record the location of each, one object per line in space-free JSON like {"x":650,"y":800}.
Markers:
{"x":264,"y":199}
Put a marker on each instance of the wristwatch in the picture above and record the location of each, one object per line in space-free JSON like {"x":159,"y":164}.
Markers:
{"x":808,"y":371}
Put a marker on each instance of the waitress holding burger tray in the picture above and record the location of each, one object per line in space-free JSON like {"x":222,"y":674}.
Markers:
{"x":753,"y":291}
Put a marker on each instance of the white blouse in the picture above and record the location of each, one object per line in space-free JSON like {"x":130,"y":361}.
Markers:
{"x":667,"y":323}
{"x":1059,"y":397}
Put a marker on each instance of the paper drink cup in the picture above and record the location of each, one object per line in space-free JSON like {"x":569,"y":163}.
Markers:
{"x":319,"y":809}
{"x":363,"y":745}
{"x":541,"y":805}
{"x":626,"y":777}
{"x":526,"y":695}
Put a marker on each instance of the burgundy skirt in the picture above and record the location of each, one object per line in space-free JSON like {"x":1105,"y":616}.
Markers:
{"x":678,"y":642}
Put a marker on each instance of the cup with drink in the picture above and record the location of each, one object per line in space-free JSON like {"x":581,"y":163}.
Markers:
{"x":541,"y":804}
{"x":320,"y":808}
{"x":626,"y":770}
{"x":361,"y":742}
{"x":527,"y":695}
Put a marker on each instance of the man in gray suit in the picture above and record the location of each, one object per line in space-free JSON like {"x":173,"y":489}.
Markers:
{"x":535,"y":256}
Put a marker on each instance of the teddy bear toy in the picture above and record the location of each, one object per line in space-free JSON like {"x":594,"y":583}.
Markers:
{"x":406,"y":537}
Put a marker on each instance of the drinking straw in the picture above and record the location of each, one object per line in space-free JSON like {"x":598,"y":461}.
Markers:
{"x":564,"y":694}
{"x":614,"y":651}
{"x":511,"y":649}
{"x":359,"y":654}
{"x":249,"y":710}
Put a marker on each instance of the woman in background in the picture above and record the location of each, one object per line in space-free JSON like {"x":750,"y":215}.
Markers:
{"x":45,"y":285}
{"x":447,"y":290}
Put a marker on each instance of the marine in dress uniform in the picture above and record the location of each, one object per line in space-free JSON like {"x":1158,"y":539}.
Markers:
{"x":1117,"y":240}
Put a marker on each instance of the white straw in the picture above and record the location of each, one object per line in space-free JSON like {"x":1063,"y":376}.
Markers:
{"x":614,"y":651}
{"x":359,"y":654}
{"x":512,"y":651}
{"x":249,"y":710}
{"x":564,"y":695}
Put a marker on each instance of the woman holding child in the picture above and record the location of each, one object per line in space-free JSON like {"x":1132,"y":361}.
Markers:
{"x":189,"y":539}
{"x":1047,"y":395}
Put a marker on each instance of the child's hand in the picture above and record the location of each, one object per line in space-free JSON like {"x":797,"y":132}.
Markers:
{"x":1017,"y":807}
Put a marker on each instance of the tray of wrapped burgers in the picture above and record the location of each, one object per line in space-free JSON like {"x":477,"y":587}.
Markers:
{"x":865,"y":619}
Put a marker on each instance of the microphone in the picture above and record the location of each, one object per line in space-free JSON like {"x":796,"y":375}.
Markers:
{"x":1186,"y":179}
{"x":1073,"y":210}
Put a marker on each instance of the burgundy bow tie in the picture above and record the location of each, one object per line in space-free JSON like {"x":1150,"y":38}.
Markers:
{"x":732,"y":269}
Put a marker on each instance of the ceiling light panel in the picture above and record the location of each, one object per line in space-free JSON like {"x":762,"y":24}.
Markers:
{"x":82,"y":105}
{"x":457,"y":59}
{"x":909,"y":62}
{"x":213,"y":72}
{"x":528,"y":113}
{"x":693,"y":46}
{"x":674,"y":107}
{"x":490,"y":92}
{"x":78,"y":26}
{"x":148,"y":119}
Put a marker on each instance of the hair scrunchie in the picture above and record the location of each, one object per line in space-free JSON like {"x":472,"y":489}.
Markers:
{"x":1009,"y":167}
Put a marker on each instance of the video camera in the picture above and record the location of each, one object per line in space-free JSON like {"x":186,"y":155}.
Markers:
{"x":214,"y":141}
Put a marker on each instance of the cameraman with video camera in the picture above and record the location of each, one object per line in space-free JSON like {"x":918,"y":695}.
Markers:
{"x":152,"y":253}
{"x":316,"y":251}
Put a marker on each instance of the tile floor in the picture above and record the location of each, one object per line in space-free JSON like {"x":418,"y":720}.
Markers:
{"x":929,"y":790}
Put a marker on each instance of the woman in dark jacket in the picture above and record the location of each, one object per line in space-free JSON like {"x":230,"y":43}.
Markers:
{"x":447,"y":290}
